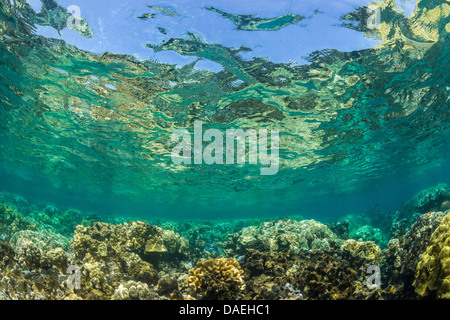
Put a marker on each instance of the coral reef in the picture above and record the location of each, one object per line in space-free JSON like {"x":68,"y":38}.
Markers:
{"x":216,"y":279}
{"x":340,"y":228}
{"x":401,"y":257}
{"x":433,"y":269}
{"x":103,"y":239}
{"x":64,"y":221}
{"x":34,"y":215}
{"x":30,"y":272}
{"x":35,"y":260}
{"x":11,"y":221}
{"x":168,"y":286}
{"x":110,"y":254}
{"x":367,"y":233}
{"x":367,"y":250}
{"x":432,"y":199}
{"x":337,"y":273}
{"x":371,"y":225}
{"x":32,"y":259}
{"x":303,"y":259}
{"x":346,"y":118}
{"x":296,"y":236}
{"x":133,"y":290}
{"x":280,"y":259}
{"x":206,"y":237}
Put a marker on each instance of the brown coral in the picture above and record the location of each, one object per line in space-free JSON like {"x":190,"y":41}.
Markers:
{"x":433,"y":270}
{"x":401,"y":257}
{"x":216,"y":279}
{"x":334,"y":274}
{"x":111,"y":254}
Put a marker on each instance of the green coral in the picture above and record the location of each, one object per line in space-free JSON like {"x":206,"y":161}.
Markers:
{"x":368,"y":233}
{"x":12,"y":221}
{"x":63,"y":221}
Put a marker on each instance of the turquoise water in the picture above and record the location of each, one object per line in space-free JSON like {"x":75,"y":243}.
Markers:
{"x":90,"y":98}
{"x":91,"y":127}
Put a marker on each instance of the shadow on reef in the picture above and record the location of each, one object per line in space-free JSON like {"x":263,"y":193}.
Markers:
{"x":51,"y":253}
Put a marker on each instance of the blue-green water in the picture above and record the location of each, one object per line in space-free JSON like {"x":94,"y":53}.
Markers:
{"x":90,"y":97}
{"x":352,"y":124}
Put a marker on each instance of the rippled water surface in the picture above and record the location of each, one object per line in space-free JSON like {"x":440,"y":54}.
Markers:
{"x":90,"y":96}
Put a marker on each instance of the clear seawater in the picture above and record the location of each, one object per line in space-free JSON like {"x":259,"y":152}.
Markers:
{"x":89,"y":100}
{"x":86,"y":121}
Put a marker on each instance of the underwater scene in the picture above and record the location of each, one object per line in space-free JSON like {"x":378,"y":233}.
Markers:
{"x":224,"y":150}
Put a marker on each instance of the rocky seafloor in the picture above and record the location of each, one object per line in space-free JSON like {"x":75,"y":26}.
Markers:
{"x":52,"y":253}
